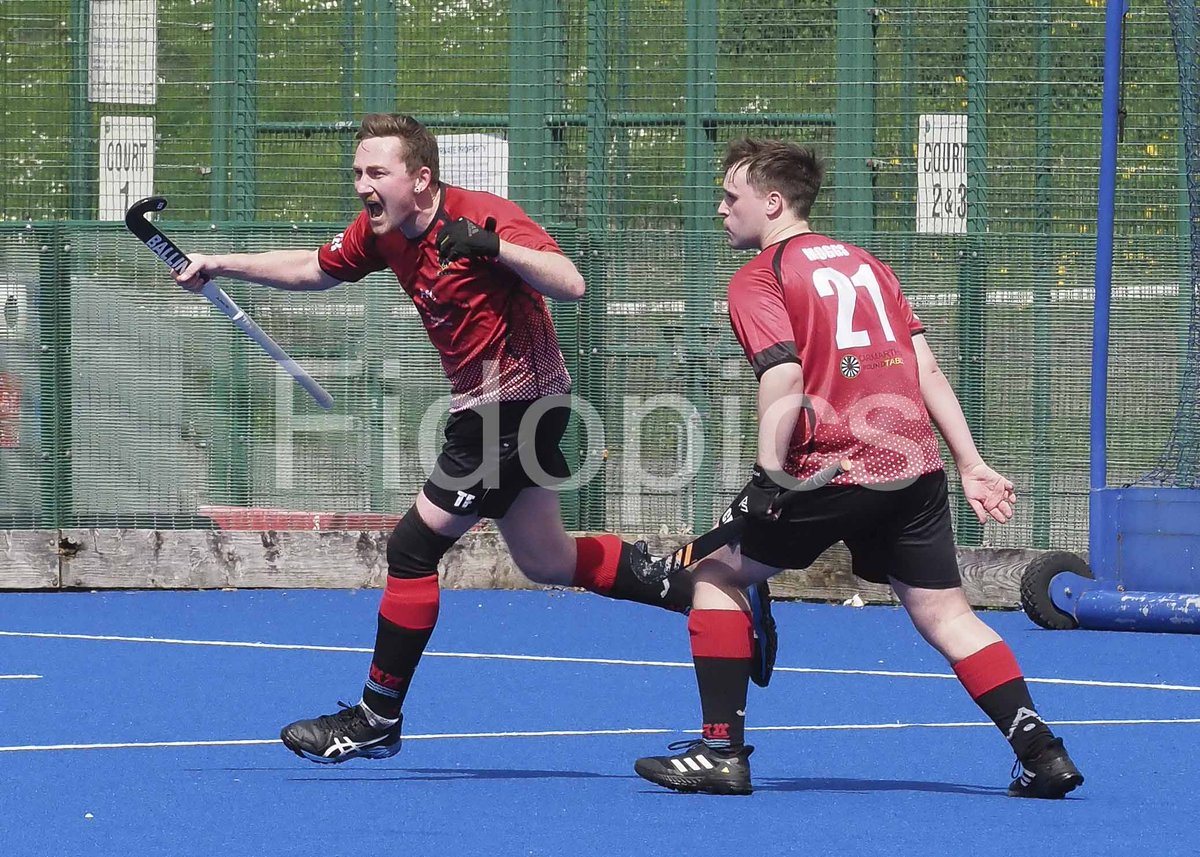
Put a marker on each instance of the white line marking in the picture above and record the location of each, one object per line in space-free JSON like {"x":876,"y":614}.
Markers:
{"x":585,"y":733}
{"x":1184,"y":721}
{"x":1083,"y":682}
{"x":2,"y":677}
{"x":569,"y":733}
{"x":140,"y":745}
{"x":568,"y":660}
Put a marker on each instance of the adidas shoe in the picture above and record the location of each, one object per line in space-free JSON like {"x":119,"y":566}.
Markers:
{"x":1049,"y":774}
{"x":766,"y":636}
{"x":347,"y":734}
{"x":699,"y":768}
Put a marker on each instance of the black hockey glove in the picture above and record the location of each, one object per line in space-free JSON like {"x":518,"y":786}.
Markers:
{"x":761,"y":495}
{"x":464,"y":239}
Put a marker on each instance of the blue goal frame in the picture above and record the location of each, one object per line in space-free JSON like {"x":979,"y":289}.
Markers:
{"x":1143,"y":542}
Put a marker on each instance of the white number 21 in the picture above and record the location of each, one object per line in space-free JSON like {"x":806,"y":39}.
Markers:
{"x":829,"y":281}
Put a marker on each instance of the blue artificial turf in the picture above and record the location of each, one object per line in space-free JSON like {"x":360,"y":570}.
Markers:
{"x":862,"y":790}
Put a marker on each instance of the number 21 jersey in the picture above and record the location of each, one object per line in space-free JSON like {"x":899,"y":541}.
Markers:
{"x":839,"y":312}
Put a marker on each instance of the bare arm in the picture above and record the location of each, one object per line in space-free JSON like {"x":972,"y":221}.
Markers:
{"x":943,"y":407}
{"x":551,"y":274}
{"x":293,"y":270}
{"x":988,"y":492}
{"x":780,"y":398}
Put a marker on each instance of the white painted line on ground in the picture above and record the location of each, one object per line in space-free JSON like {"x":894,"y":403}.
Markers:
{"x":239,"y":644}
{"x":143,"y":745}
{"x":1081,"y":682}
{"x":3,"y":677}
{"x":1185,"y":721}
{"x":588,"y":733}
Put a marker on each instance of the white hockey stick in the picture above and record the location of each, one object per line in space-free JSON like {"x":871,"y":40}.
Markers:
{"x":177,"y":260}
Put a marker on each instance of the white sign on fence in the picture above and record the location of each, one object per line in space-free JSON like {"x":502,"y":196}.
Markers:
{"x":474,"y":161}
{"x":942,"y":173}
{"x":126,"y":163}
{"x":123,"y":51}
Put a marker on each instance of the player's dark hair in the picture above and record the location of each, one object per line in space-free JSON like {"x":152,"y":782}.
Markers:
{"x":420,"y":146}
{"x":795,"y":171}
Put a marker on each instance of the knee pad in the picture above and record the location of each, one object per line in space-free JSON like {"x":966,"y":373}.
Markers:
{"x":414,"y":550}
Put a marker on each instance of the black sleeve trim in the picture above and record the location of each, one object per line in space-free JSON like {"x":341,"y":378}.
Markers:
{"x":768,"y":358}
{"x":920,"y":331}
{"x":777,"y":260}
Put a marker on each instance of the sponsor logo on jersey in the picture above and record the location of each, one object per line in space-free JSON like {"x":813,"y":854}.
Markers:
{"x":882,"y":359}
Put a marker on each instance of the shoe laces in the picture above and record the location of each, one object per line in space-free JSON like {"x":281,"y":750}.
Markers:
{"x":1017,"y":768}
{"x":687,"y":744}
{"x":342,"y":718}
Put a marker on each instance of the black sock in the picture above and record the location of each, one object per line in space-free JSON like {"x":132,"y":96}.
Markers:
{"x":1010,"y":707}
{"x":397,"y":653}
{"x":721,"y":645}
{"x":407,"y":614}
{"x":674,"y":593}
{"x":722,"y":683}
{"x":604,"y":565}
{"x":993,"y":678}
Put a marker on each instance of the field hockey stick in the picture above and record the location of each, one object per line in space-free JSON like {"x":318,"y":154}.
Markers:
{"x":650,"y":569}
{"x":177,"y":260}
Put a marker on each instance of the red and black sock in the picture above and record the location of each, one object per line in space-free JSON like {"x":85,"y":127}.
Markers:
{"x":602,"y":565}
{"x":407,"y":615}
{"x":993,"y":678}
{"x":722,"y":641}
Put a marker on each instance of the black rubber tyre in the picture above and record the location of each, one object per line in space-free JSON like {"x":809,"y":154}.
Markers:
{"x":1035,"y":588}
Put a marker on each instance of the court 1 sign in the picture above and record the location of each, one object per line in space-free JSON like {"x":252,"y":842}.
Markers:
{"x":126,"y":163}
{"x":942,"y":173}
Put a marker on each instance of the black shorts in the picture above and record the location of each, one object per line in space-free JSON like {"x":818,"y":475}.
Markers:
{"x":494,"y":452}
{"x":904,"y":533}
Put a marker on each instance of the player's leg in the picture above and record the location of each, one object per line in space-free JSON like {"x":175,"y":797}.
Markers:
{"x":721,"y":632}
{"x":408,"y":612}
{"x":408,"y":609}
{"x":758,"y":596}
{"x":924,"y":574}
{"x":527,"y":512}
{"x":990,"y":673}
{"x":545,"y":553}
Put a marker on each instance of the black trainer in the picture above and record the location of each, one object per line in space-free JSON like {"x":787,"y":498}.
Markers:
{"x":1050,"y":774}
{"x":347,"y":734}
{"x":699,"y":769}
{"x":766,"y":636}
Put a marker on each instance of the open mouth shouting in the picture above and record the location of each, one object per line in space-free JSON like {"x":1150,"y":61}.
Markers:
{"x":374,"y":209}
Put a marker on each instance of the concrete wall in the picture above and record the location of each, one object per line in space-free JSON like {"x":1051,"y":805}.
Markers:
{"x":205,"y":559}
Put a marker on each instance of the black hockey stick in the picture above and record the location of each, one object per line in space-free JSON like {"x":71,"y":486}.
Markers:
{"x":175,"y":259}
{"x":649,"y":569}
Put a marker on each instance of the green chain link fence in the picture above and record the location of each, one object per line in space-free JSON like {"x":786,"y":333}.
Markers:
{"x":962,"y":142}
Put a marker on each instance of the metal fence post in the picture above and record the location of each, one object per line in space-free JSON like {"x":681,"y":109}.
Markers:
{"x":593,"y":330}
{"x":972,"y":272}
{"x":54,"y":360}
{"x":79,"y":184}
{"x":853,"y":212}
{"x":1044,"y":265}
{"x":699,"y":267}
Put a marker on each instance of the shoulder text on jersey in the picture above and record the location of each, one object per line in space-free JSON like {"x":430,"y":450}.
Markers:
{"x":825,"y":251}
